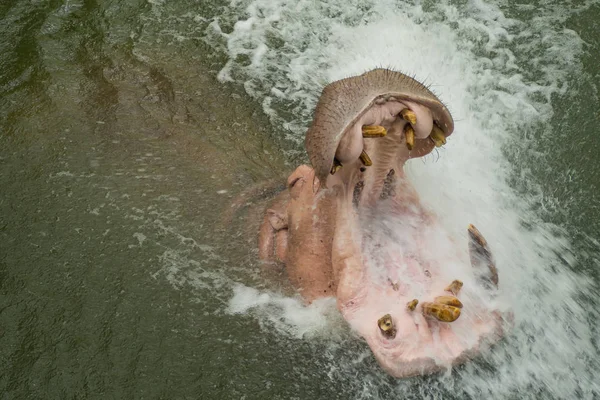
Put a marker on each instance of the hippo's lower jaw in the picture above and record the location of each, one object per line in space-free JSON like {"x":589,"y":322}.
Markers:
{"x":399,"y":275}
{"x":353,"y":227}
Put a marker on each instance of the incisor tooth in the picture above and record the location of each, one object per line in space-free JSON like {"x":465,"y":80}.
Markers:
{"x":373,"y":131}
{"x":366,"y":160}
{"x":409,"y":134}
{"x":438,"y":137}
{"x":454,"y":287}
{"x":441,"y":312}
{"x":411,"y":305}
{"x":386,"y":326}
{"x":409,"y":115}
{"x":337,"y":165}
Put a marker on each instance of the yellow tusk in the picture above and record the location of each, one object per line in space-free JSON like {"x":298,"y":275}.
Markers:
{"x":476,"y":235}
{"x":441,"y":312}
{"x":438,"y":137}
{"x":337,"y":165}
{"x":454,"y":287}
{"x":449,"y":301}
{"x":409,"y":134}
{"x":409,"y":115}
{"x":373,"y":131}
{"x":386,"y":326}
{"x":411,"y":305}
{"x":366,"y":160}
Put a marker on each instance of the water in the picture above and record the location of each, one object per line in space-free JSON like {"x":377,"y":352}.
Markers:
{"x":127,"y":130}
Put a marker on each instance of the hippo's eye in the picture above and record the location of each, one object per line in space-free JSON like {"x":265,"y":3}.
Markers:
{"x":294,"y":182}
{"x":295,"y":187}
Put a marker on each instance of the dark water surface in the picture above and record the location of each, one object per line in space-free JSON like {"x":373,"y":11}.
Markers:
{"x":120,"y":152}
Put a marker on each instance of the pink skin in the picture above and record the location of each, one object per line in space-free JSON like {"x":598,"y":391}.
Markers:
{"x":421,"y":345}
{"x":298,"y":230}
{"x":332,"y":245}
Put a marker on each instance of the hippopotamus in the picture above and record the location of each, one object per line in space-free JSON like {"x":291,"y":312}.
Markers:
{"x":351,"y":226}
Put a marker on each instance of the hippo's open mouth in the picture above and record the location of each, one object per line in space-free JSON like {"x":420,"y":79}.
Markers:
{"x":353,"y":226}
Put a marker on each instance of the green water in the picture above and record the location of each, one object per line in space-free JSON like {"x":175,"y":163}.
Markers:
{"x":110,"y":166}
{"x":119,"y":153}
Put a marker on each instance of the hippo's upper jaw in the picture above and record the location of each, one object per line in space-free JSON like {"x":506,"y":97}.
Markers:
{"x":353,"y":226}
{"x":354,"y":108}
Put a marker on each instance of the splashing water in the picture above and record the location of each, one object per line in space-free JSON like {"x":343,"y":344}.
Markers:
{"x":497,"y":75}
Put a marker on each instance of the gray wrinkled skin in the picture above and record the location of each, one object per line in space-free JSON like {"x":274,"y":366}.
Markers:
{"x":343,"y":102}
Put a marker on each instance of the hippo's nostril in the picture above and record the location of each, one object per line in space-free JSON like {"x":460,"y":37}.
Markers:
{"x":386,"y":326}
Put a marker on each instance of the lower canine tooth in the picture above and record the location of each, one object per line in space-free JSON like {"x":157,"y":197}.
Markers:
{"x":373,"y":131}
{"x":437,"y":136}
{"x":454,"y":287}
{"x":409,"y":134}
{"x":449,"y":301}
{"x":441,"y":312}
{"x":366,"y":160}
{"x":409,"y":115}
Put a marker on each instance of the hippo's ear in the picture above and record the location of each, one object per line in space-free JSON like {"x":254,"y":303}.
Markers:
{"x":299,"y":177}
{"x":301,"y":172}
{"x":278,"y":220}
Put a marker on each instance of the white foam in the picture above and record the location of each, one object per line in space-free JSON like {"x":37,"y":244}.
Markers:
{"x":287,"y":315}
{"x":497,"y":76}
